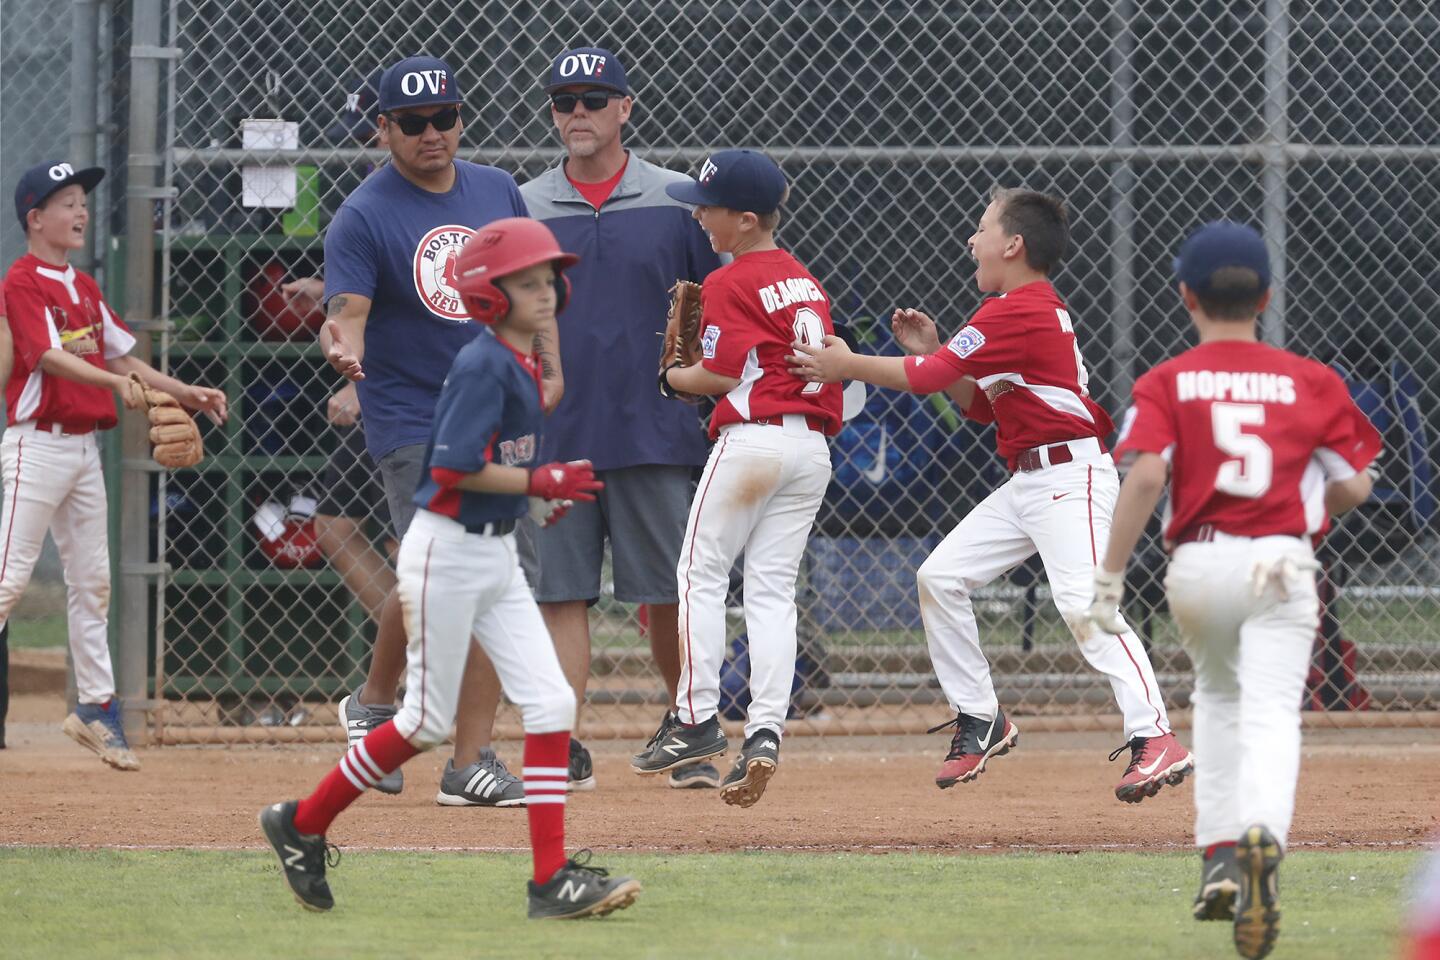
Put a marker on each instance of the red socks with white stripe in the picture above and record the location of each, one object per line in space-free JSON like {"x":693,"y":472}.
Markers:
{"x":382,"y":751}
{"x":547,"y":769}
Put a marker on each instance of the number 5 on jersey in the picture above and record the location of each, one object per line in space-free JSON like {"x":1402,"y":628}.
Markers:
{"x":1249,"y":475}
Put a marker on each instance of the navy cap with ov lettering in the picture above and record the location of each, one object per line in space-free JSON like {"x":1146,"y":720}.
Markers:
{"x":43,"y":179}
{"x":1220,"y":244}
{"x":417,"y":82}
{"x":587,"y":67}
{"x":744,"y":180}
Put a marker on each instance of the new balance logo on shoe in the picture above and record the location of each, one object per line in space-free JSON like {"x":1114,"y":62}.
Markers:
{"x":294,"y":857}
{"x":572,"y":891}
{"x":674,"y":746}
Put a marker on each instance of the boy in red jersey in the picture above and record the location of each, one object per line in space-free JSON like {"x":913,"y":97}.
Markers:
{"x":765,"y":476}
{"x":1262,"y":447}
{"x":1017,"y":364}
{"x":70,"y":355}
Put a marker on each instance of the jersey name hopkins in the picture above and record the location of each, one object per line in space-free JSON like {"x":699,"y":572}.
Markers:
{"x":1240,"y":387}
{"x":782,"y":293}
{"x":435,"y":270}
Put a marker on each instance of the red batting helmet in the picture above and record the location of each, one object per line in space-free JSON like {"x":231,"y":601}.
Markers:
{"x":500,"y":249}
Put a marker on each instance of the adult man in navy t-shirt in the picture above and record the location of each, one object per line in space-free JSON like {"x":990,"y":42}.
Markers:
{"x":394,"y":324}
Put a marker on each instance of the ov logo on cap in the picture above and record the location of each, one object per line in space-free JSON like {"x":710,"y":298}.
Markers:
{"x":708,"y":171}
{"x":589,"y":64}
{"x":60,"y":171}
{"x":413,"y":83}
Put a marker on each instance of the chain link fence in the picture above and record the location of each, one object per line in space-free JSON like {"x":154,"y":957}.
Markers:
{"x":1313,"y":121}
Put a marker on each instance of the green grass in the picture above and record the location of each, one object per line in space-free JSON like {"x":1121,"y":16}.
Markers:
{"x":197,"y":904}
{"x":47,"y":631}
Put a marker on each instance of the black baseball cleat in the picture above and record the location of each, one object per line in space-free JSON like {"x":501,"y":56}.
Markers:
{"x":1219,"y":883}
{"x":581,"y":773}
{"x":758,"y":760}
{"x":676,"y":745}
{"x":1257,"y":915}
{"x":303,"y":857}
{"x":580,"y":890}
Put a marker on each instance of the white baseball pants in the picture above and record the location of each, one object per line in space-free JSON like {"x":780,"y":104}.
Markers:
{"x":759,"y":494}
{"x":1064,"y":512}
{"x":1247,"y":612}
{"x":54,"y":482}
{"x":458,"y":588}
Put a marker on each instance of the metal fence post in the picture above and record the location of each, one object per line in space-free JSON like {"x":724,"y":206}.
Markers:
{"x":132,"y":662}
{"x":84,"y":114}
{"x":1122,"y":205}
{"x":1277,"y":136}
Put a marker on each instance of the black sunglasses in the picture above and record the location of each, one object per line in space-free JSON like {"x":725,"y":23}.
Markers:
{"x":593,"y":99}
{"x":412,"y":125}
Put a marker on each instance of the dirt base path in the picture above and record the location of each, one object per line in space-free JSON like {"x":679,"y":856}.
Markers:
{"x":1368,"y":787}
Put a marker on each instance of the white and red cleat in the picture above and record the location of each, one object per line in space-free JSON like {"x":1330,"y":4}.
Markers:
{"x":1154,"y":762}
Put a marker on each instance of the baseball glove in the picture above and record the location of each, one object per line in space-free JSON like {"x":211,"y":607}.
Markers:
{"x":173,"y":434}
{"x":682,"y":332}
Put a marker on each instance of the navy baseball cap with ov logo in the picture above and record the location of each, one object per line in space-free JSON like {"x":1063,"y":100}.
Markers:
{"x":43,"y":179}
{"x":744,"y":180}
{"x":417,"y":82}
{"x":587,"y":67}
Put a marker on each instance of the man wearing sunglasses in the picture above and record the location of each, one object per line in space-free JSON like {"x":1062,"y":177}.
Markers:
{"x":394,"y":324}
{"x":609,"y":206}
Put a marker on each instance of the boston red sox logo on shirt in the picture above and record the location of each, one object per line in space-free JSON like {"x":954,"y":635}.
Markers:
{"x":435,"y":259}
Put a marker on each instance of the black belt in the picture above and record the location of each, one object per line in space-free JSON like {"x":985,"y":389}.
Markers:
{"x":496,"y":528}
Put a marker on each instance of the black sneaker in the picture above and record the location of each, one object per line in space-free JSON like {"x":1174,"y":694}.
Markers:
{"x":357,"y":719}
{"x":485,"y":783}
{"x":676,"y":745}
{"x":976,"y":740}
{"x":582,"y":768}
{"x":303,"y":858}
{"x":697,"y":776}
{"x":580,"y":890}
{"x":1219,"y":882}
{"x":1257,"y":918}
{"x":745,"y":783}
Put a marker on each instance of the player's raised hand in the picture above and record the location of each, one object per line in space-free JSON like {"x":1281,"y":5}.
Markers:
{"x":341,"y":355}
{"x":824,"y":363}
{"x":1105,"y":607}
{"x":914,"y":331}
{"x":574,"y":480}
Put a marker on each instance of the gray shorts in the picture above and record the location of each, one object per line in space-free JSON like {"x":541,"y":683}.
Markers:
{"x":642,"y":512}
{"x":400,"y":476}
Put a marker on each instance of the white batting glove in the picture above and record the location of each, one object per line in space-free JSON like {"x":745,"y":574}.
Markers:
{"x":1105,"y":607}
{"x":545,"y":512}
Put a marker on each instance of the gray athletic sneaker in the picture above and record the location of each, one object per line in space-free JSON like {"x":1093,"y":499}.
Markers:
{"x":697,"y":776}
{"x":484,"y":783}
{"x":580,"y":890}
{"x":676,"y":745}
{"x":357,"y":719}
{"x":759,"y":757}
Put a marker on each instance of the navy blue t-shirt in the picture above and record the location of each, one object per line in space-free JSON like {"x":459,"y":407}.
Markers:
{"x":489,"y":412}
{"x":396,"y":244}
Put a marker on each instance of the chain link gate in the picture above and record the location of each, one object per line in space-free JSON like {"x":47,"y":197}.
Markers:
{"x":892,"y":120}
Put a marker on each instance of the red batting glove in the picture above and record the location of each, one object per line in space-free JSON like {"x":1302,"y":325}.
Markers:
{"x":574,"y":480}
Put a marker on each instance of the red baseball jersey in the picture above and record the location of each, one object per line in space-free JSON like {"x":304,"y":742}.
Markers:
{"x":1021,"y":348}
{"x":59,"y":308}
{"x":754,"y":308}
{"x":1252,"y":434}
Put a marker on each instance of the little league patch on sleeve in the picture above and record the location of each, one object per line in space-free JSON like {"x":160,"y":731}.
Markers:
{"x":966,"y":342}
{"x":708,"y":341}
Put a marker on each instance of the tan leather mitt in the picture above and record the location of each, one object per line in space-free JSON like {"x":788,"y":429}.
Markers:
{"x":682,"y":332}
{"x":174,"y":436}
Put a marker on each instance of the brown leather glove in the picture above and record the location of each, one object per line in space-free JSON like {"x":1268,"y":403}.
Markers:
{"x":682,"y":333}
{"x":174,"y":436}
